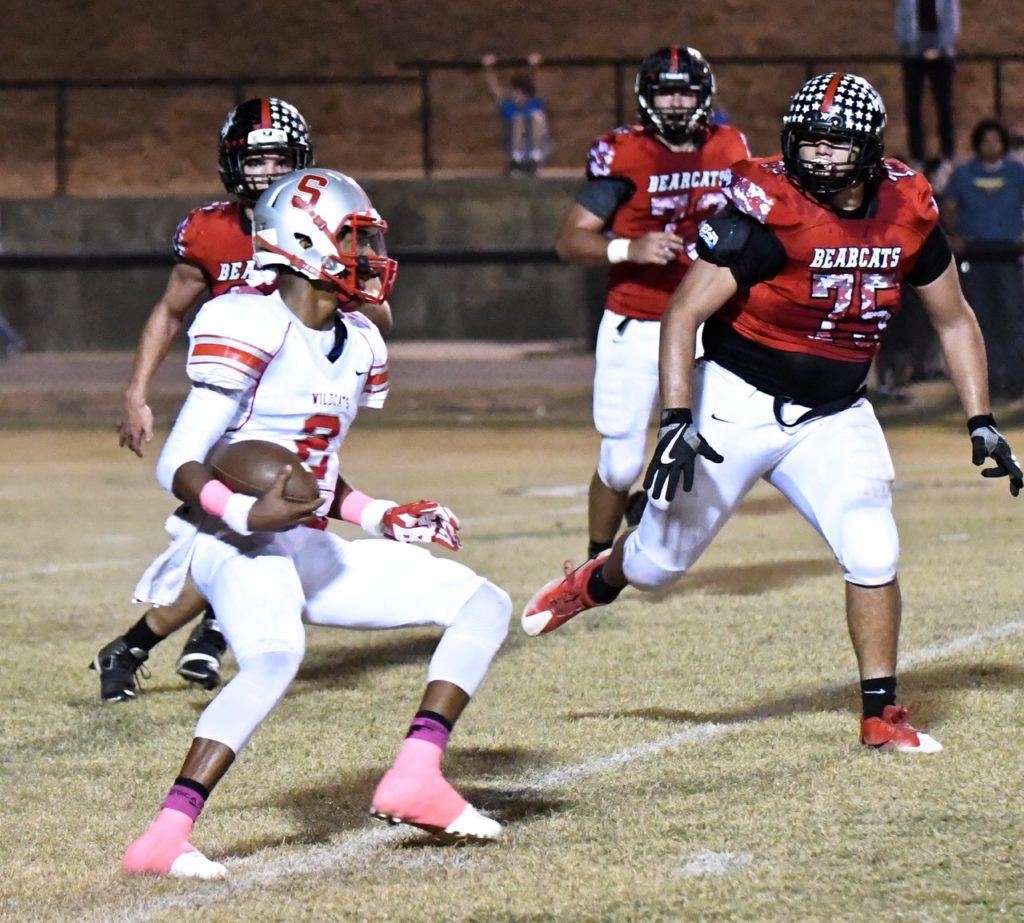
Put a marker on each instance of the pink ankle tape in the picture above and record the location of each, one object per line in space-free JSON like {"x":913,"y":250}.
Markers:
{"x":214,"y":496}
{"x":185,"y":801}
{"x":417,"y":754}
{"x":351,"y":507}
{"x":429,"y":730}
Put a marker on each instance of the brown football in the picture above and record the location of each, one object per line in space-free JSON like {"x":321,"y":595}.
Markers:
{"x":250,"y":467}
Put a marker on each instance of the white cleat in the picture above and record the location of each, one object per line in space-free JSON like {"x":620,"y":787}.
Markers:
{"x":925,"y":744}
{"x":193,"y":864}
{"x":472,"y":825}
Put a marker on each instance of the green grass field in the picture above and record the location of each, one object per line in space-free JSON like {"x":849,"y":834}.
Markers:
{"x":687,"y":756}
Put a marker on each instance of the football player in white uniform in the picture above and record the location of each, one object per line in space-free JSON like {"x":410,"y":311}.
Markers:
{"x":289,"y":367}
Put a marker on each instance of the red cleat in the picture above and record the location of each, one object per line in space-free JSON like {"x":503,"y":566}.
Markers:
{"x":561,"y":599}
{"x":893,"y":731}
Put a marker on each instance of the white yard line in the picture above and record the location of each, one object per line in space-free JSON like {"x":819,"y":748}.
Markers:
{"x":353,"y":851}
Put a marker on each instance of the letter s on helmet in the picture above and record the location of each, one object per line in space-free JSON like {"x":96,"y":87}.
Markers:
{"x":322,"y":225}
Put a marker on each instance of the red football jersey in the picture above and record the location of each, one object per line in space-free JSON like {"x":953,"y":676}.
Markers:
{"x":675,"y":191}
{"x":841,"y":281}
{"x":218,"y":239}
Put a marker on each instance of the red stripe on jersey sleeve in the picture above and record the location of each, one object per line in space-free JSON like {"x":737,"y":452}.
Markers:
{"x":223,"y":351}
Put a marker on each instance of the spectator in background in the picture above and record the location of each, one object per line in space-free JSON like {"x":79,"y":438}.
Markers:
{"x":982,"y":211}
{"x":926,"y":31}
{"x":11,"y":342}
{"x":527,"y":139}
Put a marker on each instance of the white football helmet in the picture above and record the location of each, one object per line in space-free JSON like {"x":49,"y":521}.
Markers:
{"x":322,"y":225}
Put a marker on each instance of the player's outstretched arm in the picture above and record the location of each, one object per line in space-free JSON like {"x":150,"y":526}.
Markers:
{"x":581,"y":240}
{"x":184,"y":287}
{"x":963,"y":348}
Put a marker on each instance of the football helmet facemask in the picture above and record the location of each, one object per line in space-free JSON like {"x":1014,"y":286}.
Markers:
{"x":252,"y":131}
{"x":672,"y":70}
{"x":845,"y":111}
{"x":322,"y":225}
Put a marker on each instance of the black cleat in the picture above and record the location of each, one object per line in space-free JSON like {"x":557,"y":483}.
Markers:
{"x":117,"y":665}
{"x":199,"y":662}
{"x":635,"y":506}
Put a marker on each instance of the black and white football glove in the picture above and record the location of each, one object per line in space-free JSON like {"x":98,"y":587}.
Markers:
{"x":679,"y":444}
{"x":987,"y":442}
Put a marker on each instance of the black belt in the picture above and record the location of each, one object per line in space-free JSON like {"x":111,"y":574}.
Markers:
{"x":821,"y":410}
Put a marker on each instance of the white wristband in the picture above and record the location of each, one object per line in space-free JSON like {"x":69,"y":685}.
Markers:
{"x":372,"y":518}
{"x":236,"y":513}
{"x":618,"y":250}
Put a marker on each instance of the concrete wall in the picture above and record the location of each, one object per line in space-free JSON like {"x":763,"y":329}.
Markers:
{"x":105,"y":308}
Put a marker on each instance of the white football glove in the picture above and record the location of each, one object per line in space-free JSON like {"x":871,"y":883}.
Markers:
{"x":422,"y":521}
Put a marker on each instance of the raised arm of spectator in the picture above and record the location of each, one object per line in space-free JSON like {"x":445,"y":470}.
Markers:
{"x":534,"y":59}
{"x":490,"y":75}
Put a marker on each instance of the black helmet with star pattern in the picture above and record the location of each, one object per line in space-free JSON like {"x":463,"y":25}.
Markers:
{"x":841,"y":109}
{"x":259,"y":126}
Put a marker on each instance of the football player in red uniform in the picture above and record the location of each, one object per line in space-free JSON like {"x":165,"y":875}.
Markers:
{"x":650,"y":185}
{"x":796,"y":281}
{"x":261,"y":140}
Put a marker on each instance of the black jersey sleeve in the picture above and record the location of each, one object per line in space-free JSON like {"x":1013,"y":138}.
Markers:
{"x":730,"y":238}
{"x":603,"y":195}
{"x":932,"y":260}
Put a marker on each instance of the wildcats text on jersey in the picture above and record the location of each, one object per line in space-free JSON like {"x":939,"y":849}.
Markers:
{"x":688,"y":179}
{"x":856,"y":257}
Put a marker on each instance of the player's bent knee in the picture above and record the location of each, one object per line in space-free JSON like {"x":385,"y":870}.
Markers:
{"x":620,"y":462}
{"x":485,"y":617}
{"x":240,"y":707}
{"x":645,"y":572}
{"x":466,"y":649}
{"x":870,"y":551}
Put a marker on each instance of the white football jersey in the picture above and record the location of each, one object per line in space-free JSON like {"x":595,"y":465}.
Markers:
{"x":294,"y":395}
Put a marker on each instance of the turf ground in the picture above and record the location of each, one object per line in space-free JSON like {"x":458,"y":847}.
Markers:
{"x":691,"y":755}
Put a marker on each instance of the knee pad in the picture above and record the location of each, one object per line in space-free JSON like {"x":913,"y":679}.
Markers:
{"x":484,"y":618}
{"x":621,"y":460}
{"x":466,"y":649}
{"x":870,"y":549}
{"x":643,"y":570}
{"x":240,"y":707}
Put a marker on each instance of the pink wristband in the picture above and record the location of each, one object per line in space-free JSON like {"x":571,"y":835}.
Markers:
{"x":353,"y":505}
{"x":214,"y":496}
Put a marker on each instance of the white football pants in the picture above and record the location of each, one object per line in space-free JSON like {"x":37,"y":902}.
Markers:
{"x":835,"y":470}
{"x":262,"y":591}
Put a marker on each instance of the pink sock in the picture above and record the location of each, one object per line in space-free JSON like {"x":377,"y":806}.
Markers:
{"x":429,"y":729}
{"x":185,"y":800}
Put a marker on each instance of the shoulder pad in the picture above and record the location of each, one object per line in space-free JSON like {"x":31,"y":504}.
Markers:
{"x":233,"y":339}
{"x":192,"y":227}
{"x":746,"y":189}
{"x":602,"y":154}
{"x":723,"y":236}
{"x":375,"y":388}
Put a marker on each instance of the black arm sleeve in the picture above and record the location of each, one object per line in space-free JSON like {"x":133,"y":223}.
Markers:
{"x":932,"y":260}
{"x":750,"y":250}
{"x":602,"y":196}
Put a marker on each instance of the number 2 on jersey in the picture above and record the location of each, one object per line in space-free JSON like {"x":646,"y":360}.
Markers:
{"x":322,"y":427}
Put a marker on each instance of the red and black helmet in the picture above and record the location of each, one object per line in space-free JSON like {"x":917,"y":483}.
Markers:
{"x":258,"y":126}
{"x":676,"y":69}
{"x":838,"y":108}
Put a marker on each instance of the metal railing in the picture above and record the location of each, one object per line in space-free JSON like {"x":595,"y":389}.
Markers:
{"x":421,"y":83}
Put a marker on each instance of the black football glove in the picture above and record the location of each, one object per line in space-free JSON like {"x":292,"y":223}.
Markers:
{"x":679,"y":444}
{"x":987,"y":442}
